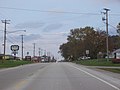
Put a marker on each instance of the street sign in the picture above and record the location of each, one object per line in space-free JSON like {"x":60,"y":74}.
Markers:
{"x":87,"y":52}
{"x":14,"y":47}
{"x":27,"y":53}
{"x":14,"y":52}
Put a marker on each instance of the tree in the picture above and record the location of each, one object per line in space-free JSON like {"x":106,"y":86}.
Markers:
{"x":65,"y":50}
{"x":82,"y":39}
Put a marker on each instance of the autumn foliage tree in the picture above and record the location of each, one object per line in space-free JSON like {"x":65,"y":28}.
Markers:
{"x":82,"y":39}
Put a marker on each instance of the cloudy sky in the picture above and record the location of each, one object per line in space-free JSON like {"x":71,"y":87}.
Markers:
{"x":48,"y":22}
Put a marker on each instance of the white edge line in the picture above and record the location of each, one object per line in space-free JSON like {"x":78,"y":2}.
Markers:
{"x":96,"y":77}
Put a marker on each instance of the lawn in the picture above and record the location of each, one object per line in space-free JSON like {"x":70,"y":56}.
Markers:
{"x":11,"y":63}
{"x":96,"y":62}
{"x":115,"y":70}
{"x":101,"y":62}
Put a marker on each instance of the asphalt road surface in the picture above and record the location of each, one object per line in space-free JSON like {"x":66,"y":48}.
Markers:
{"x":55,"y":76}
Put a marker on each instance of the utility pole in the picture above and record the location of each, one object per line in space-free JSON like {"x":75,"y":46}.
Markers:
{"x":106,"y":19}
{"x":45,"y":52}
{"x":22,"y":46}
{"x":33,"y":49}
{"x":5,"y":22}
{"x":39,"y":52}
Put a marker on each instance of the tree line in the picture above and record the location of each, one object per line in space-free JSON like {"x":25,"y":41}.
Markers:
{"x":82,"y":39}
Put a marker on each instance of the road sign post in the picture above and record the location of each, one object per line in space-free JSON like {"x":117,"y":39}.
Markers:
{"x":14,"y":49}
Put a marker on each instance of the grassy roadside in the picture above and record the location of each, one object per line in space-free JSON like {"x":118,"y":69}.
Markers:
{"x":101,"y":62}
{"x":97,"y":62}
{"x":11,"y":63}
{"x":115,"y":70}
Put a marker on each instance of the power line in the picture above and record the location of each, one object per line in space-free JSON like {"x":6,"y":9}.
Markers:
{"x":1,"y":16}
{"x":52,"y":11}
{"x":15,"y":40}
{"x":67,"y":12}
{"x":115,"y":14}
{"x":10,"y":41}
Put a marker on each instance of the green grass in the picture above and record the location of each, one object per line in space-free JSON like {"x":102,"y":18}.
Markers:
{"x":101,"y":62}
{"x":11,"y":63}
{"x":95,"y":62}
{"x":115,"y":70}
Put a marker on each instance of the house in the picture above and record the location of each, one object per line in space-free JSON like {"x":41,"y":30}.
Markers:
{"x":116,"y":55}
{"x":7,"y":57}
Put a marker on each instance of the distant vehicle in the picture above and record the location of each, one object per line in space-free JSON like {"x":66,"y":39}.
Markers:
{"x":85,"y":58}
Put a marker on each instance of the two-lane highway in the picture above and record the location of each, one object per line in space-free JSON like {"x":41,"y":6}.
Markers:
{"x":54,"y":76}
{"x":12,"y":76}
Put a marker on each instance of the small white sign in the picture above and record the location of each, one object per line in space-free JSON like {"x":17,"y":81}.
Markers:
{"x":87,"y":51}
{"x":14,"y":47}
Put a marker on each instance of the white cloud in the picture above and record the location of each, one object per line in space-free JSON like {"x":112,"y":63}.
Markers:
{"x":32,"y":25}
{"x":52,"y":27}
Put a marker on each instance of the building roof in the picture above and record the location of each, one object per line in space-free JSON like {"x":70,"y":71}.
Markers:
{"x":116,"y":51}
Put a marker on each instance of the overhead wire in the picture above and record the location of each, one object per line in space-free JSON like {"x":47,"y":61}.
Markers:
{"x":13,"y":39}
{"x":52,"y":11}
{"x":45,"y":11}
{"x":115,"y":14}
{"x":10,"y":41}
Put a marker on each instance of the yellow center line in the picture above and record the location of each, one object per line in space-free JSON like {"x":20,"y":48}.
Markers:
{"x":20,"y":84}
